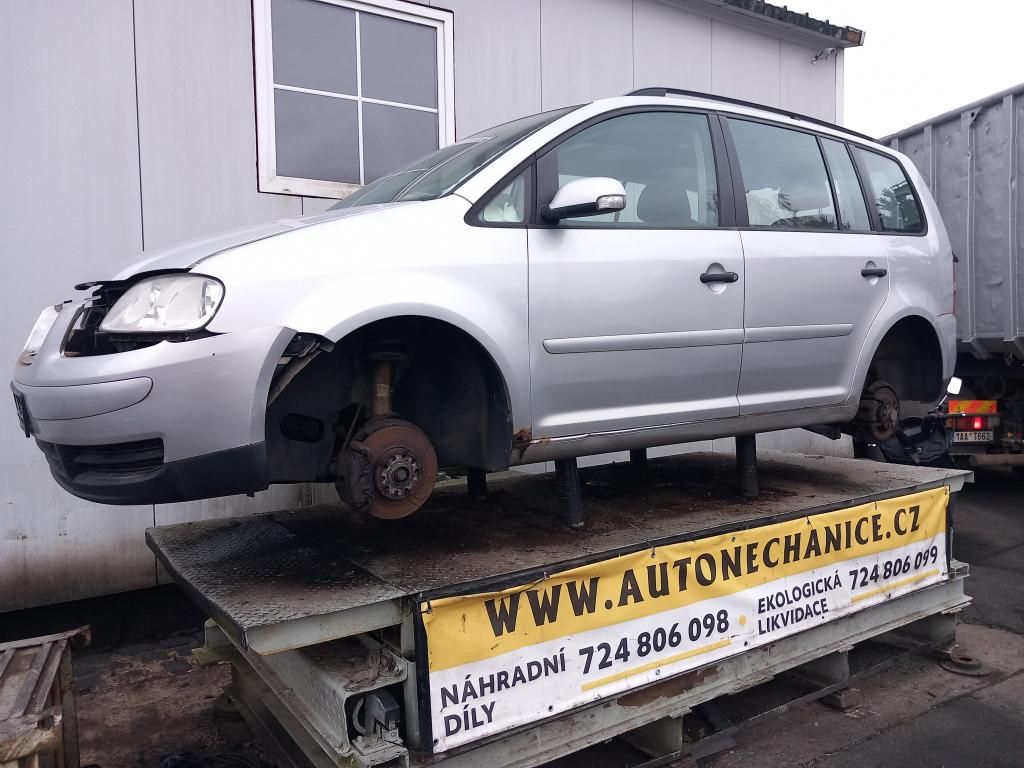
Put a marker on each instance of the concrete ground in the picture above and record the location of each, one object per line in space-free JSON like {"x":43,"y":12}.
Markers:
{"x":142,"y":702}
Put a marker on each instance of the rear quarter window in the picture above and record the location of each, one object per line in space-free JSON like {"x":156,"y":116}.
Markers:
{"x":890,"y":192}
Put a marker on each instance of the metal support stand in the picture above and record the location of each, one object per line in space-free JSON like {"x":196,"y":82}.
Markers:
{"x":746,"y":465}
{"x":570,"y":495}
{"x":638,"y":462}
{"x":476,"y":483}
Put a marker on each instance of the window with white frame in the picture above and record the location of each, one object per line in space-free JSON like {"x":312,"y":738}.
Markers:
{"x":347,"y":91}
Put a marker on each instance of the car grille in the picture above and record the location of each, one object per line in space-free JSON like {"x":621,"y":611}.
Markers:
{"x":104,"y":464}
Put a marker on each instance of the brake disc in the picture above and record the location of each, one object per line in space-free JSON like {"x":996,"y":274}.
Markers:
{"x":403,"y":467}
{"x":880,"y":411}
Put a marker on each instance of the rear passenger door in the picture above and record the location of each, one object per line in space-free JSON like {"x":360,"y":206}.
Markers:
{"x":815,"y":279}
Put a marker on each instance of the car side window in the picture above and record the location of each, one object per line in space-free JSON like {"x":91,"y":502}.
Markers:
{"x":664,"y":161}
{"x":853,"y":212}
{"x":891,"y":192}
{"x":508,"y":205}
{"x":784,"y":177}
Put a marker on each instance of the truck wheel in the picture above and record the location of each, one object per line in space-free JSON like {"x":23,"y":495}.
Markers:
{"x":388,"y":470}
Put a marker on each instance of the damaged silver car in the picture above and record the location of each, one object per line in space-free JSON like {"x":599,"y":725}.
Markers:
{"x":652,"y":269}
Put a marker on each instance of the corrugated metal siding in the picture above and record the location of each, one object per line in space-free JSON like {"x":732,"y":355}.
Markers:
{"x":670,"y":47}
{"x":497,"y":66}
{"x":745,"y":64}
{"x":971,"y":159}
{"x":586,"y":50}
{"x":179,"y":160}
{"x":69,"y":211}
{"x":197,"y":126}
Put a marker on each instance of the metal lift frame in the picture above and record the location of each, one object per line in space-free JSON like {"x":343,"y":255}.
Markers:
{"x":358,"y":615}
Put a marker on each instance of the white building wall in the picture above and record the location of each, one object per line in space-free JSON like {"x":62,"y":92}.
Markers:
{"x":130,"y":125}
{"x":672,"y":47}
{"x":69,"y":207}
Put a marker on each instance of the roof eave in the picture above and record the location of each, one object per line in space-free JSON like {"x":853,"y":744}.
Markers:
{"x":824,"y":32}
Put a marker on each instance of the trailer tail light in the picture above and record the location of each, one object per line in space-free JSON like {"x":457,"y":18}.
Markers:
{"x":974,"y":423}
{"x":973,"y":415}
{"x":968,"y":423}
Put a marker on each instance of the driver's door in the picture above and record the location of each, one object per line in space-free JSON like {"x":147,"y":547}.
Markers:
{"x":624,"y":333}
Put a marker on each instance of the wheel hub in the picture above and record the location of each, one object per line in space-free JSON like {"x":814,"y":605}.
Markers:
{"x":401,"y":461}
{"x":397,"y":474}
{"x":880,"y":411}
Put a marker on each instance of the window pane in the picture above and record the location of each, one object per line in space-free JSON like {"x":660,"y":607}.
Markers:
{"x":663,"y":159}
{"x":314,"y":46}
{"x":399,"y":60}
{"x":509,"y":205}
{"x":316,"y":137}
{"x":784,"y":176}
{"x":891,"y":192}
{"x":393,"y":136}
{"x":852,"y":210}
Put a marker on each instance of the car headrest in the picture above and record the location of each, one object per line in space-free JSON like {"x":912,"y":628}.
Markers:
{"x":664,"y":203}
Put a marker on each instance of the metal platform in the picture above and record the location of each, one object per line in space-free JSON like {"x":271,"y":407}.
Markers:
{"x":319,"y":607}
{"x":294,"y":578}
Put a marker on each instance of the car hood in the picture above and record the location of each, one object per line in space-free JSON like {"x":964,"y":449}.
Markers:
{"x":191,"y":253}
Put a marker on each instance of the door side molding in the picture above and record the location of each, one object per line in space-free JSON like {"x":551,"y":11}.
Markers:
{"x":636,"y":341}
{"x":796,"y":332}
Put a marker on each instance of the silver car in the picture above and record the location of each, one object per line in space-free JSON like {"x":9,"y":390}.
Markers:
{"x":652,"y":269}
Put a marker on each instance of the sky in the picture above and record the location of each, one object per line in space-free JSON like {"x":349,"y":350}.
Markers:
{"x":923,"y":57}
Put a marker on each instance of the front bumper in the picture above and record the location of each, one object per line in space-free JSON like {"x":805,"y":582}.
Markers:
{"x":169,"y":422}
{"x":134,"y":473}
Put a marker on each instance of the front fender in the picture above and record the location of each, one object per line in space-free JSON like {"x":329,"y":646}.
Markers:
{"x":500,"y":328}
{"x":409,"y":259}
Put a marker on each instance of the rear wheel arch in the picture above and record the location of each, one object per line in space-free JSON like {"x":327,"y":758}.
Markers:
{"x":909,"y":357}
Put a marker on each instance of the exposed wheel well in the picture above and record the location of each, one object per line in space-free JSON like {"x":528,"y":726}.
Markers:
{"x":447,"y":384}
{"x":909,"y":357}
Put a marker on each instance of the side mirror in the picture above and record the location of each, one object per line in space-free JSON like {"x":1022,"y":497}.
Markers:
{"x":954,"y":386}
{"x":585,"y":197}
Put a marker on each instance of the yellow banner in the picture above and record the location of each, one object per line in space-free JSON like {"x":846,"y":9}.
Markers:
{"x":470,"y":628}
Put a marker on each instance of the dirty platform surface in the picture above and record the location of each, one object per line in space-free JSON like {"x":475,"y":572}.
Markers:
{"x":261,"y":571}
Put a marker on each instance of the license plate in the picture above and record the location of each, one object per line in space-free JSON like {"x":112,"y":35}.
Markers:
{"x":23,"y":418}
{"x":985,"y":436}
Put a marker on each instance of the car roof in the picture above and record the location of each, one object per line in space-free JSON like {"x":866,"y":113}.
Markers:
{"x":698,"y":100}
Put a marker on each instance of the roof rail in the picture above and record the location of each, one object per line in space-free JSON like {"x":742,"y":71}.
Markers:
{"x":659,"y":91}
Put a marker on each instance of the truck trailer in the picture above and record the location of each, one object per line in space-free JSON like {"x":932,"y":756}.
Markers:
{"x":970,"y":158}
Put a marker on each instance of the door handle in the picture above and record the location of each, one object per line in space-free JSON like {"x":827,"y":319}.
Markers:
{"x":874,"y":272}
{"x":719,"y":277}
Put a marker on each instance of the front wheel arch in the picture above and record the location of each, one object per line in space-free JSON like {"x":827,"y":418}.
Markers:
{"x":448,"y":385}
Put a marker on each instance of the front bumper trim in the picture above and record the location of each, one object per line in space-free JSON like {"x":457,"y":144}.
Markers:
{"x":79,"y":401}
{"x":223,"y":473}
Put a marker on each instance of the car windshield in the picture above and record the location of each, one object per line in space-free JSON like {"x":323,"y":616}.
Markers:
{"x":442,"y":171}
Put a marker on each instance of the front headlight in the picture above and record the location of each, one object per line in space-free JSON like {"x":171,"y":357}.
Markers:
{"x":38,"y":333}
{"x":165,"y":304}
